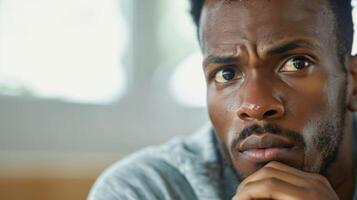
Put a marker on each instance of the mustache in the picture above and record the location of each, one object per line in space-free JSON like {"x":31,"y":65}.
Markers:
{"x":274,"y":129}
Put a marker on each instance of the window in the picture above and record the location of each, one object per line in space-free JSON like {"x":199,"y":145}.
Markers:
{"x":187,"y":83}
{"x":354,"y":15}
{"x":177,"y":33}
{"x":65,"y":49}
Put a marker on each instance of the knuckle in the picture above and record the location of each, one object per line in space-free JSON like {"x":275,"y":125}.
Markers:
{"x":272,"y":164}
{"x":266,"y":171}
{"x":322,"y":179}
{"x":245,"y":182}
{"x":248,"y":185}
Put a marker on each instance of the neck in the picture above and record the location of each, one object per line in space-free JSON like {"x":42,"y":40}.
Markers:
{"x":341,"y":173}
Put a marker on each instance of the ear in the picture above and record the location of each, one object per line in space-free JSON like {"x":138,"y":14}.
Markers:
{"x":352,"y":75}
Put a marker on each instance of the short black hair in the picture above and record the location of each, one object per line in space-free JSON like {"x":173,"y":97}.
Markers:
{"x":342,"y":10}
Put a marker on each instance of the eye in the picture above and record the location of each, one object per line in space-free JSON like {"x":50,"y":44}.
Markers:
{"x":226,"y":75}
{"x":295,"y":64}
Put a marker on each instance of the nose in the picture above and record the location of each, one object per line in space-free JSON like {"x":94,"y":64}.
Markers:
{"x":260,"y":103}
{"x":250,"y":112}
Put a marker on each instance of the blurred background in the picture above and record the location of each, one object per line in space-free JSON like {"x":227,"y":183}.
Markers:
{"x":84,"y":83}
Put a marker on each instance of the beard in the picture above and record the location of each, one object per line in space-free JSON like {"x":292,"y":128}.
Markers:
{"x":330,"y":132}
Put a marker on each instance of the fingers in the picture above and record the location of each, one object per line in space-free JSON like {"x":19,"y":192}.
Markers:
{"x":305,"y":175}
{"x":270,"y":189}
{"x":274,"y":174}
{"x":286,"y":168}
{"x":279,"y":181}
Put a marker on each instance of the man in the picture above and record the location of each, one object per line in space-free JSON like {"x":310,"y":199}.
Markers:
{"x":281,"y":92}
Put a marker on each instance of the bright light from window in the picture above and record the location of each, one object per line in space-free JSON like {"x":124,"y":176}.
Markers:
{"x":354,"y":15}
{"x":187,"y":84}
{"x":67,"y":49}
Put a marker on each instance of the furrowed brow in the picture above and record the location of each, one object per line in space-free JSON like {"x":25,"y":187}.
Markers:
{"x":220,"y":59}
{"x":289,"y":46}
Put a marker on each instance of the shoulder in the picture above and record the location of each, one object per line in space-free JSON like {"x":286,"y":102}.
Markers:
{"x":151,"y":172}
{"x":140,"y":176}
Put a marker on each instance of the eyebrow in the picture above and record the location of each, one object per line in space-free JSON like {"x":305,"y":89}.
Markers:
{"x":289,"y":46}
{"x":213,"y":59}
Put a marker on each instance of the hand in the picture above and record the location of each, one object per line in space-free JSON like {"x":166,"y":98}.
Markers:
{"x":281,"y":182}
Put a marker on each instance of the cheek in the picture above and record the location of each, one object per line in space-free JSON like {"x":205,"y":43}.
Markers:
{"x":221,"y":104}
{"x":317,"y":111}
{"x":305,"y":99}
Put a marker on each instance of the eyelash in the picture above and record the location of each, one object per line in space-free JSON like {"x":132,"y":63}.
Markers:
{"x":308,"y":58}
{"x":304,"y":56}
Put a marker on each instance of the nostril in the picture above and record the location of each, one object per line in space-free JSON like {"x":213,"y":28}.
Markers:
{"x":270,"y":113}
{"x":244,"y":116}
{"x":260,"y":113}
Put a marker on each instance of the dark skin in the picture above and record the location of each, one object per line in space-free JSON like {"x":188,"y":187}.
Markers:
{"x":275,"y":62}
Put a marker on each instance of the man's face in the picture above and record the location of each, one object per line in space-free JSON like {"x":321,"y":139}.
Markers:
{"x":275,"y":87}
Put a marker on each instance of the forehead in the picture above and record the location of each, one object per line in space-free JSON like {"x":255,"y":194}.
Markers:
{"x":264,"y":22}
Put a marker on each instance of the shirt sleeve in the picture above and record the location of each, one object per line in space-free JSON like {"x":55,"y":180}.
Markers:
{"x":142,"y":177}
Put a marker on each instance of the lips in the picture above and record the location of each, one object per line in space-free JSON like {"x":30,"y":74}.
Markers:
{"x":265,"y":147}
{"x":265,"y":141}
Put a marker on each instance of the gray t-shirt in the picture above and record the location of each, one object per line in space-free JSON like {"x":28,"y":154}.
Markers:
{"x":182,"y":169}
